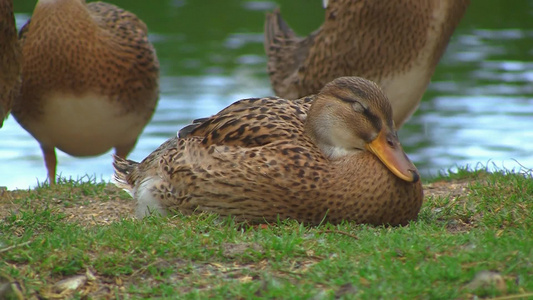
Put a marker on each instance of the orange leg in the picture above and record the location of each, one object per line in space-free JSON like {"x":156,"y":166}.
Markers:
{"x":124,"y":150}
{"x":50,"y":161}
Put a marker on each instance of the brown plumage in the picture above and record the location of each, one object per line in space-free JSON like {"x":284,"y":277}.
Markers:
{"x":396,"y":44}
{"x":334,"y":156}
{"x":10,"y":59}
{"x":90,"y":79}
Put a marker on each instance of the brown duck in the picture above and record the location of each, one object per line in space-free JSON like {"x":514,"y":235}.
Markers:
{"x":330,"y":157}
{"x":396,"y":44}
{"x":90,"y":79}
{"x":10,"y":59}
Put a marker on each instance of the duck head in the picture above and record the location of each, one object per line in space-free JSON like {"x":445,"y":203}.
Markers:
{"x":352,"y":115}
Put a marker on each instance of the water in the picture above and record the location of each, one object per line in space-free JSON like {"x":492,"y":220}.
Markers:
{"x":477,"y":111}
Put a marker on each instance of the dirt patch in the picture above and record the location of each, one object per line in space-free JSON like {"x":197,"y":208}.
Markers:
{"x":111,"y":204}
{"x":108,"y":204}
{"x":236,"y":250}
{"x":446,"y":189}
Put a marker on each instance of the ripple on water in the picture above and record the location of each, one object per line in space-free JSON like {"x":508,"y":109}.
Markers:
{"x":478,"y":108}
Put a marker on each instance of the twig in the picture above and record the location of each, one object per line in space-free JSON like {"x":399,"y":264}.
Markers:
{"x":142,"y":269}
{"x":339,"y":232}
{"x":526,"y":295}
{"x":14,"y":246}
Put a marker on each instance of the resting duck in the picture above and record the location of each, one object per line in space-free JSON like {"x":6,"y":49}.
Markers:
{"x":9,"y":59}
{"x":396,"y":44}
{"x":90,"y":79}
{"x":330,"y":157}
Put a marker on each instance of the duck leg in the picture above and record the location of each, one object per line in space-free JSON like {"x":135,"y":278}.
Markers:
{"x":124,"y":150}
{"x":50,"y":161}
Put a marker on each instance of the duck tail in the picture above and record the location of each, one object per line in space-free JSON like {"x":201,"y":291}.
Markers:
{"x":276,"y":31}
{"x":123,"y":169}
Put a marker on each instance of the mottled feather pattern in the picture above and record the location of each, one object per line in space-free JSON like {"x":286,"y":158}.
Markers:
{"x":91,"y":79}
{"x":138,"y":54}
{"x":254,"y":161}
{"x":132,"y":34}
{"x":10,"y":59}
{"x":286,"y":53}
{"x":273,"y":119}
{"x":389,"y":42}
{"x":285,"y":179}
{"x":118,"y":60}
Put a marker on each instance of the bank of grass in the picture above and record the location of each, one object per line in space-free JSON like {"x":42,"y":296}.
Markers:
{"x":483,"y":229}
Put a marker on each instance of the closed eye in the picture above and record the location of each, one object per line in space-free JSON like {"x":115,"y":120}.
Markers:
{"x":358,"y":107}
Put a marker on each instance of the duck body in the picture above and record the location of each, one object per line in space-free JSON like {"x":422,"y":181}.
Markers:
{"x":90,"y":79}
{"x":10,"y":59}
{"x":396,"y":44}
{"x":258,"y":160}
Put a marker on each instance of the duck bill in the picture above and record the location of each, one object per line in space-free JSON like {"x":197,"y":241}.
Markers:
{"x":390,"y":152}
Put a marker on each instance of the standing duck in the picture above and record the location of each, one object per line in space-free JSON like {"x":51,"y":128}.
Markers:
{"x":89,"y":79}
{"x":330,"y":157}
{"x":9,"y":59}
{"x":396,"y":44}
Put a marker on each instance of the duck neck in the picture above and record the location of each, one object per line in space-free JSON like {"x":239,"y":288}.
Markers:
{"x":323,"y":128}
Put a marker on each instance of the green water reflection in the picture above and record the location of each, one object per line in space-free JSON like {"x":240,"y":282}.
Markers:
{"x":478,"y":107}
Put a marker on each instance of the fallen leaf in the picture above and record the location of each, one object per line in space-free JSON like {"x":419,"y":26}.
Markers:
{"x":234,"y":250}
{"x":363,"y":281}
{"x":487,"y":279}
{"x":245,"y":279}
{"x":346,"y":289}
{"x":72,"y":283}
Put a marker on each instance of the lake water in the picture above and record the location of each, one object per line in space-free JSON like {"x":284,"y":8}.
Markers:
{"x":477,"y":111}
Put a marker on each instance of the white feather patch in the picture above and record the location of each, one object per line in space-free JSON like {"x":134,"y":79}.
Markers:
{"x":147,"y":204}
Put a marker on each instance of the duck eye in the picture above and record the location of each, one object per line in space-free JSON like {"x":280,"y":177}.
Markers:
{"x":358,"y":107}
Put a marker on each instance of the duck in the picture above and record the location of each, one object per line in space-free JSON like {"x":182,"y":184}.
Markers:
{"x":10,"y":59}
{"x":330,"y":157}
{"x":90,"y":79}
{"x":396,"y":44}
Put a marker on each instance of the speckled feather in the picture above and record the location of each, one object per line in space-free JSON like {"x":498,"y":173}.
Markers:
{"x":396,"y":43}
{"x":90,"y":79}
{"x":10,"y":59}
{"x":252,"y":122}
{"x":254,"y":160}
{"x":117,"y":60}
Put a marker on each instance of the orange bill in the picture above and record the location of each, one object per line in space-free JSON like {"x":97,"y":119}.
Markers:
{"x":390,"y":152}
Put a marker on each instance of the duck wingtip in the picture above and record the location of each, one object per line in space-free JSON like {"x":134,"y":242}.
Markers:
{"x":276,"y":29}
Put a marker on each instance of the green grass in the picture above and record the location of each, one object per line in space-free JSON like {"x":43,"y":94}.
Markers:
{"x":487,"y":226}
